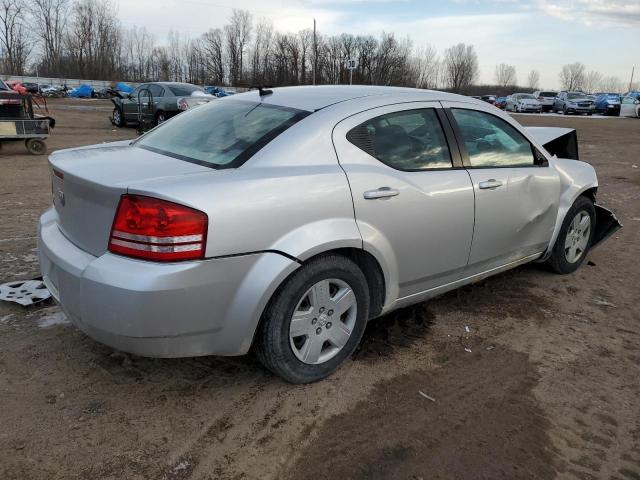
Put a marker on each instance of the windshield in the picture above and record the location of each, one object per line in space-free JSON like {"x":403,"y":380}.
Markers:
{"x":221,"y":134}
{"x":526,"y":95}
{"x":575,"y":95}
{"x":548,"y":94}
{"x":184,"y":90}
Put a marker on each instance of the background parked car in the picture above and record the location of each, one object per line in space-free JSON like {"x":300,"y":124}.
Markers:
{"x":489,"y":99}
{"x":169,"y":99}
{"x":501,"y":103}
{"x":573,"y":102}
{"x":630,"y":105}
{"x":523,"y":102}
{"x":608,"y":104}
{"x":546,"y":99}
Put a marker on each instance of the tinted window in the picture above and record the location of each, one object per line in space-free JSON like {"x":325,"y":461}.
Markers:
{"x":628,"y":99}
{"x":548,"y":94}
{"x":409,"y":140}
{"x":156,"y":90}
{"x":220,"y":134}
{"x":492,"y":142}
{"x":184,"y":89}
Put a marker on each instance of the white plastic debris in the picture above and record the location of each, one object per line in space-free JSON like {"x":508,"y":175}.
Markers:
{"x":426,"y":396}
{"x":25,"y":293}
{"x":600,"y":301}
{"x":467,"y":329}
{"x":52,"y":316}
{"x":467,"y":350}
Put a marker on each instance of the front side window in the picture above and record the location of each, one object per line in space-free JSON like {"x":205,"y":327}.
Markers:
{"x":492,"y":142}
{"x":220,"y":134}
{"x":409,"y":140}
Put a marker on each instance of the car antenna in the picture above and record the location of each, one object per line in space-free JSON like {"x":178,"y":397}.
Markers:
{"x":264,"y":90}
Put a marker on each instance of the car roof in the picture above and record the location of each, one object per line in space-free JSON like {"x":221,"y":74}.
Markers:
{"x":312,"y":98}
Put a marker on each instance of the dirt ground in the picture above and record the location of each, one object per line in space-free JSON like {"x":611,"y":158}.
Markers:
{"x":545,"y":384}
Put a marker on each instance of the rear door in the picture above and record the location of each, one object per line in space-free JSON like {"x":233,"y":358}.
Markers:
{"x":413,"y":199}
{"x":516,"y":192}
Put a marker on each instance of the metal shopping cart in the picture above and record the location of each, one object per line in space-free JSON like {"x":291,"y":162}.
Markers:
{"x":18,"y":122}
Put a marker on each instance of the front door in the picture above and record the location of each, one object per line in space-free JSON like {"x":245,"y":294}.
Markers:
{"x":413,"y":200}
{"x":516,"y":192}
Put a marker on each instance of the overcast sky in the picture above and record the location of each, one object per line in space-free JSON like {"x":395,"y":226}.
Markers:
{"x":538,"y":34}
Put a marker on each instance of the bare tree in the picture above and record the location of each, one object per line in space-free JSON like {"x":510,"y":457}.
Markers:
{"x":592,"y":81}
{"x":14,"y":43}
{"x":426,"y":67}
{"x":505,"y":75}
{"x":572,"y":76}
{"x":213,"y":47}
{"x":611,"y":84}
{"x":237,"y":34}
{"x":533,"y":80}
{"x":49,"y":21}
{"x":460,"y":66}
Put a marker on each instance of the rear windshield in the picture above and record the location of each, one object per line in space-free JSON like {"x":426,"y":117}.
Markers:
{"x":525,"y":95}
{"x":548,"y":94}
{"x":575,"y":95}
{"x":184,"y":90}
{"x":221,"y":134}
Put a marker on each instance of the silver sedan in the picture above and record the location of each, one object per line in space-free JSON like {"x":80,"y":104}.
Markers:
{"x":282,"y":221}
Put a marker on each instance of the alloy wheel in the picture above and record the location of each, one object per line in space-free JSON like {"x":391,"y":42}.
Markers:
{"x":323,"y":321}
{"x":577,"y":238}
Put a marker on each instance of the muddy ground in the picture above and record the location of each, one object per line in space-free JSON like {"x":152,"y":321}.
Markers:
{"x":546,"y":383}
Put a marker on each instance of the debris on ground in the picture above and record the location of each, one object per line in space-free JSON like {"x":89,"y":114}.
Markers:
{"x":52,"y":316}
{"x":467,"y":350}
{"x":426,"y":396}
{"x":25,"y":292}
{"x":605,"y":303}
{"x":467,"y":329}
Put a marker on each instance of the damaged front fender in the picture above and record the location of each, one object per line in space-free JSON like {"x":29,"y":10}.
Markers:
{"x":606,"y":225}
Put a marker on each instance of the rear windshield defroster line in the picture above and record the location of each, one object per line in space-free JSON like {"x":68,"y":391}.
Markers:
{"x":238,"y":137}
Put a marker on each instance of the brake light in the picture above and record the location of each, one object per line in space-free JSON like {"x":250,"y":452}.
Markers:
{"x":182,"y":104}
{"x":154,"y":229}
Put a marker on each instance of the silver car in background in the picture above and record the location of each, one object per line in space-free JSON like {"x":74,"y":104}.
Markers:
{"x":523,"y":103}
{"x":546,"y":99}
{"x":282,"y":221}
{"x":574,"y":102}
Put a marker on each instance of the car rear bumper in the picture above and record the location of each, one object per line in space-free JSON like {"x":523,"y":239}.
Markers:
{"x":160,"y":309}
{"x":580,"y":109}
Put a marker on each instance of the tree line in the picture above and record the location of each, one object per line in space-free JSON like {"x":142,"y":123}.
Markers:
{"x":85,"y":39}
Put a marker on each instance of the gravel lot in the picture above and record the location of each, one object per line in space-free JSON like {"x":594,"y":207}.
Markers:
{"x":549,"y":389}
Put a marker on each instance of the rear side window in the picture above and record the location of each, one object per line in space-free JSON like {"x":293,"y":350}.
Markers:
{"x":156,"y":90}
{"x":409,"y":140}
{"x":492,"y":142}
{"x":184,"y":90}
{"x":220,"y":134}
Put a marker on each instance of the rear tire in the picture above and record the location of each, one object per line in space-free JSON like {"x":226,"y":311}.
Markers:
{"x":283,"y":349}
{"x":35,"y":146}
{"x":161,"y":117}
{"x":572,"y":244}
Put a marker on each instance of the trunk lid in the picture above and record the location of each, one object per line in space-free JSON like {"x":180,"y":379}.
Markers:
{"x":87,"y":183}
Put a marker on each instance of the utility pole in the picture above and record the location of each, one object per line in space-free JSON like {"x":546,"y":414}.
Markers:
{"x":631,"y":81}
{"x":315,"y":52}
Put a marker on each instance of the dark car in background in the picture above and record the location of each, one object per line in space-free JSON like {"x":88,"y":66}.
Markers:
{"x":574,"y":102}
{"x":488,"y":98}
{"x":168,"y":98}
{"x":546,"y":99}
{"x":608,"y":104}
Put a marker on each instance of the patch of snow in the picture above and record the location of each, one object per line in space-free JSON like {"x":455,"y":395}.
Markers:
{"x":52,"y":316}
{"x":30,"y":258}
{"x":6,"y":318}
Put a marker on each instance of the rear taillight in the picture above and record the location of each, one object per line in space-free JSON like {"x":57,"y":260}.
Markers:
{"x":182,"y":104}
{"x":541,"y":99}
{"x":154,"y":229}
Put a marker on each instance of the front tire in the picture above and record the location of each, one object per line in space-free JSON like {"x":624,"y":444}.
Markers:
{"x":315,"y":320}
{"x":574,"y":239}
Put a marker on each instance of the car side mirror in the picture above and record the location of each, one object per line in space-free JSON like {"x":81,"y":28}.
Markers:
{"x":539,"y":159}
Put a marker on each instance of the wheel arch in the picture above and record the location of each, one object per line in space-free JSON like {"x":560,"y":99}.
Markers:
{"x":369,"y":265}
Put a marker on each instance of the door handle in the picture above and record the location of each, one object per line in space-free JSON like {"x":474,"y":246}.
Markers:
{"x":382,"y":192}
{"x":490,"y":184}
